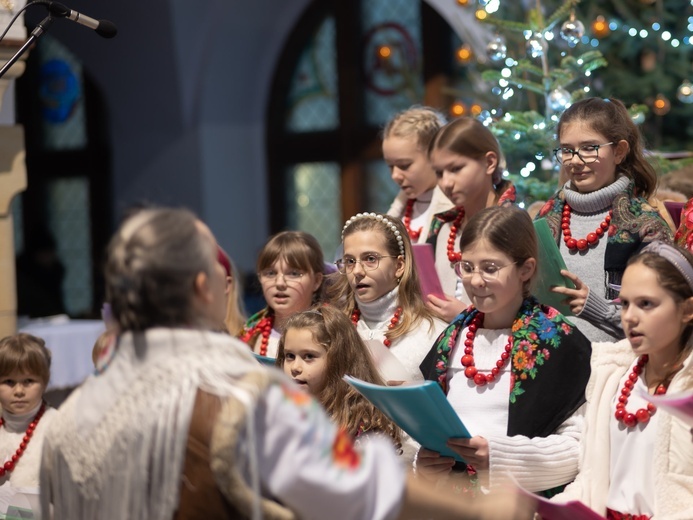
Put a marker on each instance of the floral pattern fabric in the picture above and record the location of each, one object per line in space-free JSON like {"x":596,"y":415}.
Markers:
{"x":547,"y":353}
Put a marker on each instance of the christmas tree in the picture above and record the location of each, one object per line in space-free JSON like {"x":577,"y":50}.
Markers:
{"x":556,"y":60}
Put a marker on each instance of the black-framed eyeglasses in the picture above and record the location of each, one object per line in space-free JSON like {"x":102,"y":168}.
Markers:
{"x":587,"y":153}
{"x":488,"y":271}
{"x":369,"y":262}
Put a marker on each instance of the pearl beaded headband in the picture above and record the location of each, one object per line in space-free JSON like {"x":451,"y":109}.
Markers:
{"x":388,"y":223}
{"x":674,"y":257}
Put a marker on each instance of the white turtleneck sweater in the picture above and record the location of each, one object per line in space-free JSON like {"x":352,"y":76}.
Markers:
{"x":26,"y":472}
{"x":600,"y":319}
{"x":411,"y":348}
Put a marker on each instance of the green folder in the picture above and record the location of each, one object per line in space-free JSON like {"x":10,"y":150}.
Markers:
{"x":549,"y":265}
{"x":420,"y":409}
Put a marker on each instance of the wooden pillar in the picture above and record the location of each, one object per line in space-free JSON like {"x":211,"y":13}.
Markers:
{"x":12,"y":182}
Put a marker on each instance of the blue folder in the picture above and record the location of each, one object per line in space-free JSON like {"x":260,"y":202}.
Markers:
{"x":420,"y":409}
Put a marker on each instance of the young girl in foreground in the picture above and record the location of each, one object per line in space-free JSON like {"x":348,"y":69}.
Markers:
{"x":24,"y":373}
{"x":405,"y":149}
{"x":290,"y":270}
{"x":601,"y":216}
{"x":318,"y":348}
{"x":514,"y":370}
{"x":468,"y":162}
{"x":637,"y":462}
{"x":377,"y":286}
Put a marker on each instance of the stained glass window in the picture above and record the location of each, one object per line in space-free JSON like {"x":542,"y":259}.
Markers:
{"x":312,"y":102}
{"x":313,"y":197}
{"x":380,"y":187}
{"x":392,"y":57}
{"x":68,"y":215}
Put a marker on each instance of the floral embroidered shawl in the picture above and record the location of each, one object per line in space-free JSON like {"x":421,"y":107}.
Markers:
{"x":550,"y":367}
{"x":633,"y":225}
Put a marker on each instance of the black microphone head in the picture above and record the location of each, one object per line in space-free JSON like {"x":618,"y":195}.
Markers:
{"x":106,"y":29}
{"x":58,"y":9}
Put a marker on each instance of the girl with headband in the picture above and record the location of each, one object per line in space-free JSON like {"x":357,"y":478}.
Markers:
{"x":378,"y":287}
{"x":637,"y":461}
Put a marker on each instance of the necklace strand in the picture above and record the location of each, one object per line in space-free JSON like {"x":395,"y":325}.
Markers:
{"x":453,"y":256}
{"x":265,"y":327}
{"x":643,"y":415}
{"x":413,"y":234}
{"x":9,"y":466}
{"x":467,"y":360}
{"x":394,"y":321}
{"x":591,"y":238}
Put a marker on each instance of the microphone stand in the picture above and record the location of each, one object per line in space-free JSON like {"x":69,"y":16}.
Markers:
{"x":39,"y":30}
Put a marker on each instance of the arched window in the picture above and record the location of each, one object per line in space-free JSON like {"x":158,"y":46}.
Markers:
{"x":346,"y":68}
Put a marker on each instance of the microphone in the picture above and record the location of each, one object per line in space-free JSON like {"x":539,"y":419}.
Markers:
{"x":103,"y":28}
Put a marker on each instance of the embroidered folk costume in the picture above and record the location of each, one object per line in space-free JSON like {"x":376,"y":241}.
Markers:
{"x":546,"y":369}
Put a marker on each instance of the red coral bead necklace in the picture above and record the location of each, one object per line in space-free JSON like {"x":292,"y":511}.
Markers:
{"x":591,"y":238}
{"x":265,"y":327}
{"x":9,"y":466}
{"x":643,"y":414}
{"x":471,"y":371}
{"x":394,"y":321}
{"x":454,"y":256}
{"x":413,"y":234}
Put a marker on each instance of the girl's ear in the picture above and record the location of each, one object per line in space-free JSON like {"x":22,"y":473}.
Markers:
{"x":527,"y":269}
{"x":687,"y":307}
{"x":621,"y":150}
{"x":491,"y":162}
{"x":318,"y":281}
{"x":399,"y":272}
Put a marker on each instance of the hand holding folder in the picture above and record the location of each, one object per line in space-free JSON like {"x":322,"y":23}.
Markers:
{"x":420,"y":409}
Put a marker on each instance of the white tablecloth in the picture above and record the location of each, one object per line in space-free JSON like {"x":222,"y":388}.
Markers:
{"x":70,"y":343}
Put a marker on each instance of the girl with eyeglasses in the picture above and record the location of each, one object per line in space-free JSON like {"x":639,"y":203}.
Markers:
{"x":290,"y":269}
{"x":514,"y":370}
{"x":378,"y":288}
{"x":601,"y":216}
{"x":469,"y":165}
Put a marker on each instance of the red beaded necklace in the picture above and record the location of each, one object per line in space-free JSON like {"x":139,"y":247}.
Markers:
{"x":10,"y":464}
{"x":265,"y":327}
{"x":591,"y":238}
{"x":643,"y":414}
{"x":356,"y":315}
{"x":413,"y":234}
{"x":471,"y":371}
{"x":452,"y":255}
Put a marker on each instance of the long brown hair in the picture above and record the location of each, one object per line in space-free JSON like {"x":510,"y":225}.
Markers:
{"x":610,"y":118}
{"x":346,"y":355}
{"x":409,"y":297}
{"x":469,"y":137}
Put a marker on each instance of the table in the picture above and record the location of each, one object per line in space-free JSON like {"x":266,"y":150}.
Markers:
{"x":70,"y":343}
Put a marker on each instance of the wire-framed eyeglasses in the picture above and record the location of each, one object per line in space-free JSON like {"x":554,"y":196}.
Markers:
{"x":272,"y":275}
{"x":488,"y":271}
{"x":369,"y":262}
{"x":587,"y":153}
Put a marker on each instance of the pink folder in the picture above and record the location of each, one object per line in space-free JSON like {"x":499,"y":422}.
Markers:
{"x":426,"y":269}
